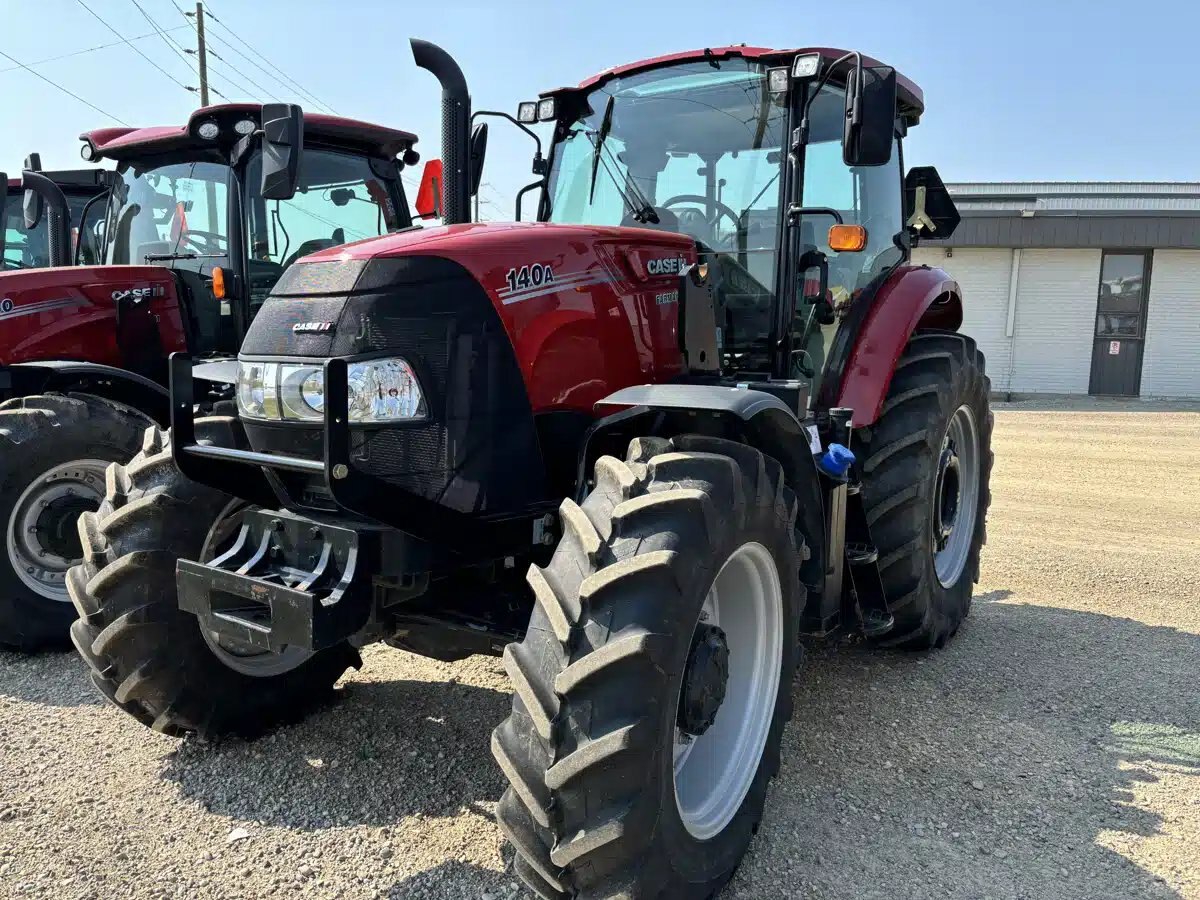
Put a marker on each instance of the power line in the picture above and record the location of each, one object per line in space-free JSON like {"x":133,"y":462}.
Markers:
{"x":285,"y":77}
{"x":50,"y":59}
{"x":265,"y":91}
{"x":171,"y":44}
{"x":228,"y":80}
{"x":58,"y":86}
{"x":99,"y":18}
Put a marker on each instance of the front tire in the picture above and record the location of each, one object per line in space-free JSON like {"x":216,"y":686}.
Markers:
{"x":54,"y":449}
{"x":926,"y":472}
{"x":147,"y":656}
{"x":650,"y":697}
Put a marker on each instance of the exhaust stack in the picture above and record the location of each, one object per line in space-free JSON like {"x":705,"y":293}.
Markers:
{"x":456,"y":117}
{"x":44,"y":197}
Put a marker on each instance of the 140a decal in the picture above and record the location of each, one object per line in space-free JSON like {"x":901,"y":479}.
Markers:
{"x":529,"y":277}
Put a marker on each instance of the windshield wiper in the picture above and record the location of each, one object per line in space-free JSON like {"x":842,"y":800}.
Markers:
{"x":598,"y":143}
{"x":642,"y":209}
{"x":163,"y":257}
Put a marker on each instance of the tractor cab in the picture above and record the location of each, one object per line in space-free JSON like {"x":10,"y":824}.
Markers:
{"x":785,"y":167}
{"x":230,"y":200}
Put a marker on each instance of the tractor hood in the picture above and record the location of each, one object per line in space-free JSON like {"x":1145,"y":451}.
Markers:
{"x":523,"y":261}
{"x":93,"y":313}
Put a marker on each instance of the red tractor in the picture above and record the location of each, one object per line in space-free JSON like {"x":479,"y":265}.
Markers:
{"x":702,"y":407}
{"x":194,"y":228}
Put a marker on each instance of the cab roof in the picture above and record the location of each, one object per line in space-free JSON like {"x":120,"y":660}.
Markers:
{"x":911,"y":97}
{"x":122,"y":142}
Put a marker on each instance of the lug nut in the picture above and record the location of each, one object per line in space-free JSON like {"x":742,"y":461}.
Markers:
{"x":340,"y":471}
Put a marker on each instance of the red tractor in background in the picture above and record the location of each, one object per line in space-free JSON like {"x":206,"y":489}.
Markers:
{"x":26,"y":232}
{"x":197,"y":225}
{"x":703,"y":406}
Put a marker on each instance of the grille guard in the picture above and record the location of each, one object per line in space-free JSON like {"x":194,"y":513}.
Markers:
{"x":247,"y":474}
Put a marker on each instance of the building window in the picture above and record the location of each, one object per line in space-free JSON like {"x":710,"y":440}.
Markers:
{"x":1123,"y":285}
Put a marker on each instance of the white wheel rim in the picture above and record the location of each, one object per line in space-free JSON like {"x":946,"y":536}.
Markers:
{"x":247,"y":660}
{"x":954,"y":534}
{"x":713,"y":772}
{"x":38,"y":564}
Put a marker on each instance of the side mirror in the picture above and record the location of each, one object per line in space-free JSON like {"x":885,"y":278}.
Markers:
{"x":32,"y":202}
{"x":3,"y":204}
{"x":429,"y":194}
{"x":870,"y":126}
{"x":478,"y":152}
{"x":282,"y":145}
{"x":930,"y":209}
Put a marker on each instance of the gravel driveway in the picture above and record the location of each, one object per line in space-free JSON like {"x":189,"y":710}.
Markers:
{"x":1052,"y":751}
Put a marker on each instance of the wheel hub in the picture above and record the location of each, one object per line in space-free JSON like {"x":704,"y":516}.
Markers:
{"x":955,"y":501}
{"x":704,"y":680}
{"x":42,"y":539}
{"x":949,"y":495}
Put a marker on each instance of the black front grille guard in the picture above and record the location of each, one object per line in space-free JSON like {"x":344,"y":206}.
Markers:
{"x":249,"y":475}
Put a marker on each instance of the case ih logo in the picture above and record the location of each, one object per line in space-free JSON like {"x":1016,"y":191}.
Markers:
{"x":137,"y":294}
{"x":312,"y":327}
{"x":669,"y":266}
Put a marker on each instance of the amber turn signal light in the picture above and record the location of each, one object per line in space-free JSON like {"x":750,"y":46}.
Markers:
{"x":847,"y":238}
{"x":218,"y":283}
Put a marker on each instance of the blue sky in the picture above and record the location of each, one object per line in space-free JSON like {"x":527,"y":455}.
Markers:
{"x":1018,"y":90}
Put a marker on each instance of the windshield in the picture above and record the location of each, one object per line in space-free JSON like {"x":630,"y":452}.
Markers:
{"x":697,"y":147}
{"x":340,"y":199}
{"x":29,"y":249}
{"x":173,"y":213}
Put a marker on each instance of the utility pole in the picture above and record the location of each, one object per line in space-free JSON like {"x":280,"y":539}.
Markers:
{"x":200,"y":52}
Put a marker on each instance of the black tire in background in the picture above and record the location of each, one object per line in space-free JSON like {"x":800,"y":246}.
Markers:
{"x":149,"y":657}
{"x":53,"y":451}
{"x":939,"y":374}
{"x":591,"y":745}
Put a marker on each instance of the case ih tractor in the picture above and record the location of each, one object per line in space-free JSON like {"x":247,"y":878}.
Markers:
{"x":202,"y":221}
{"x":702,"y":407}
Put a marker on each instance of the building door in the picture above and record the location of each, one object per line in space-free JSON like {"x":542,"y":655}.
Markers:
{"x":1120,"y":324}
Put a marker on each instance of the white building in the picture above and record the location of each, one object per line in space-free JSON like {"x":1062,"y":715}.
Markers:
{"x":1078,"y":288}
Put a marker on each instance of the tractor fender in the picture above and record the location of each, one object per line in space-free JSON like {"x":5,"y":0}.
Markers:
{"x":869,"y":343}
{"x":744,"y":415}
{"x":112,"y":383}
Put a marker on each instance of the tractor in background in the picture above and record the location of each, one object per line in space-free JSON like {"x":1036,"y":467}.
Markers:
{"x":25,"y":233}
{"x":703,"y":406}
{"x":188,"y":236}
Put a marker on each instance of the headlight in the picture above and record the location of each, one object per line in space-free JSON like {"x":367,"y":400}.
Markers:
{"x":379,"y":390}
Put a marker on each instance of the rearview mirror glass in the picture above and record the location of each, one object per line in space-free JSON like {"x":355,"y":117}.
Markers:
{"x":282,"y":145}
{"x":33,"y":208}
{"x":870,"y":117}
{"x":478,"y":152}
{"x":429,"y":194}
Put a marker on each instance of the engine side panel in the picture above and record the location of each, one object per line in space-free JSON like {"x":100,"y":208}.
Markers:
{"x":72,"y":313}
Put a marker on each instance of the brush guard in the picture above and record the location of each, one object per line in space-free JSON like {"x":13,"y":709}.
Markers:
{"x":291,"y":579}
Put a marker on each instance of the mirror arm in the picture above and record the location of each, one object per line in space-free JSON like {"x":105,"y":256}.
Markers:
{"x":802,"y":132}
{"x":538,"y":159}
{"x":523,"y":191}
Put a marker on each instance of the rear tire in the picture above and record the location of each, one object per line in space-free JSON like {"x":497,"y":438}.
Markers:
{"x":603,"y":799}
{"x":147,"y":656}
{"x":936,"y":407}
{"x":53,"y":452}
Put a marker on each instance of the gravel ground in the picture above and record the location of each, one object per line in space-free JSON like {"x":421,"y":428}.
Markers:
{"x":1052,"y":751}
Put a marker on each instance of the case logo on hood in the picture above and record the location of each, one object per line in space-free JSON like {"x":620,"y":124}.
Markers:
{"x":312,"y":328}
{"x":668,"y":266}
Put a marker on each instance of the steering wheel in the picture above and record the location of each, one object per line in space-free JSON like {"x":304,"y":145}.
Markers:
{"x":209,"y":241}
{"x":721,"y":210}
